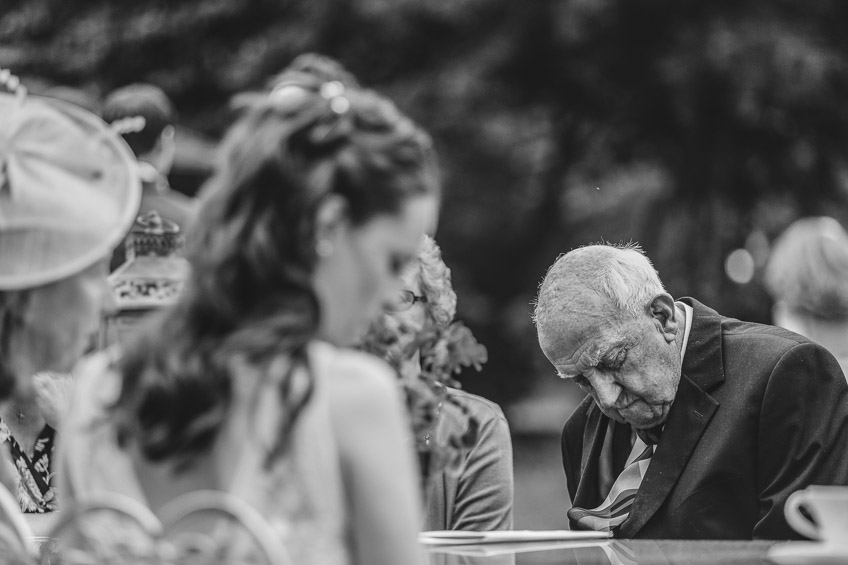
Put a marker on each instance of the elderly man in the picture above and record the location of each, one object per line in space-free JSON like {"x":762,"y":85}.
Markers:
{"x":696,"y":426}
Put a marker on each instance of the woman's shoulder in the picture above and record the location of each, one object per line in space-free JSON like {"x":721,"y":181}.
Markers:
{"x":482,"y":408}
{"x":489,"y":415}
{"x":89,"y":458}
{"x":337,"y":363}
{"x":97,"y":386}
{"x":354,"y":379}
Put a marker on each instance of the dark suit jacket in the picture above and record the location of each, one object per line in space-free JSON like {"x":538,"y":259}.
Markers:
{"x":760,"y":412}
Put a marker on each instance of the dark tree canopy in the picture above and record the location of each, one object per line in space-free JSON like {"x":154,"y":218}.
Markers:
{"x":693,"y":127}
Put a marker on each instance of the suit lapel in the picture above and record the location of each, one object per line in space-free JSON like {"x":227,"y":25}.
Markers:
{"x":593,"y":440}
{"x":692,"y":410}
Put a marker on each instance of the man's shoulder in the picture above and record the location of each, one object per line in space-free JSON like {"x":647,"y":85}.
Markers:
{"x":768,"y":345}
{"x":752,"y":334}
{"x":761,"y":349}
{"x":757,"y":338}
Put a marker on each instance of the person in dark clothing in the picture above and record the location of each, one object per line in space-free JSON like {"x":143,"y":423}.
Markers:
{"x":148,"y":117}
{"x":696,"y":426}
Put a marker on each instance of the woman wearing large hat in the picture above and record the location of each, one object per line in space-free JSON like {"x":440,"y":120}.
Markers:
{"x":68,"y":194}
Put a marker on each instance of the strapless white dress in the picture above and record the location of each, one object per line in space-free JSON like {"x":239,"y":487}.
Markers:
{"x":301,"y":495}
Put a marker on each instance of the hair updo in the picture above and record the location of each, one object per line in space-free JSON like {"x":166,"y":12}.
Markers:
{"x":252,"y":250}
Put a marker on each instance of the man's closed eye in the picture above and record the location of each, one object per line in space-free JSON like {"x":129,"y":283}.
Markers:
{"x":581,"y":381}
{"x":615,"y":363}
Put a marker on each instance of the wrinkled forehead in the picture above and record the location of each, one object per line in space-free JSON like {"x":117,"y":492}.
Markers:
{"x":567,"y":305}
{"x":562,"y":337}
{"x":576,"y":322}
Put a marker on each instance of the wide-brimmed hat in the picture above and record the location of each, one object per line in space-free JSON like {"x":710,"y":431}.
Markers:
{"x":69,"y":190}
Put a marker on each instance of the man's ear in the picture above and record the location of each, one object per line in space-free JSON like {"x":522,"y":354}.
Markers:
{"x":664,"y":314}
{"x":330,"y":219}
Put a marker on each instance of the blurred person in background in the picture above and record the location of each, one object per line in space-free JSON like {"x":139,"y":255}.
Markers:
{"x":319,"y":203}
{"x":475,"y":491}
{"x":85,"y":99}
{"x":68,"y":194}
{"x":150,"y":135}
{"x":807,"y":276}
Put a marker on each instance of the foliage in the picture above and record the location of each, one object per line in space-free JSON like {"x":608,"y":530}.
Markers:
{"x":686,"y":125}
{"x":443,"y":353}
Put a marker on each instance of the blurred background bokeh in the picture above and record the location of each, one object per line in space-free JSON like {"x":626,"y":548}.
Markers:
{"x":700,"y":129}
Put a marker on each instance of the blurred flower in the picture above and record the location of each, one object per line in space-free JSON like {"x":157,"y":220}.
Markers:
{"x":443,"y":353}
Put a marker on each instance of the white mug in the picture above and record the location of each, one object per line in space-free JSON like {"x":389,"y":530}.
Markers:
{"x":828,"y":505}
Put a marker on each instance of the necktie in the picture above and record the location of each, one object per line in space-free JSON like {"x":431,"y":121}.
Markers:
{"x":650,"y":436}
{"x":615,"y":508}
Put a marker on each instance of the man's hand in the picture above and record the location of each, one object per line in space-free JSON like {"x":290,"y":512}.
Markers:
{"x":52,"y":393}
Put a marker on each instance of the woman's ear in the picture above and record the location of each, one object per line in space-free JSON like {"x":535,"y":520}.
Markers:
{"x":331,"y":219}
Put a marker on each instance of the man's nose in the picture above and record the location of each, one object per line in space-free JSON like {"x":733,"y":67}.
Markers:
{"x":606,"y":390}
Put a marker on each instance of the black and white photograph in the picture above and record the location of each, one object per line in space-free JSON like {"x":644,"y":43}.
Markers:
{"x":423,"y":282}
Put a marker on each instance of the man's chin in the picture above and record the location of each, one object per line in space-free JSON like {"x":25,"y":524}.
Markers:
{"x":613,"y":415}
{"x":647,"y":422}
{"x":637,"y":420}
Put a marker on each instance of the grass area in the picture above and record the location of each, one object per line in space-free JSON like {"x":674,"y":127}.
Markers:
{"x":541,"y":499}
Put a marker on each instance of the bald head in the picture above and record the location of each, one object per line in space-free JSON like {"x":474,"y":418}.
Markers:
{"x":620,"y":277}
{"x":606,"y":323}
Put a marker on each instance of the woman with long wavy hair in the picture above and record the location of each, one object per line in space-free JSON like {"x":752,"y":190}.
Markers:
{"x":322,"y":196}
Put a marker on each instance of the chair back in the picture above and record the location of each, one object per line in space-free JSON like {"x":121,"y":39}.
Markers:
{"x":204,"y":527}
{"x":223,"y":528}
{"x":16,"y":537}
{"x":104,"y":528}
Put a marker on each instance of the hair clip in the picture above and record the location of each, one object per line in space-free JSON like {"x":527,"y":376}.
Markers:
{"x":130,"y":124}
{"x":334,"y":92}
{"x":13,"y":84}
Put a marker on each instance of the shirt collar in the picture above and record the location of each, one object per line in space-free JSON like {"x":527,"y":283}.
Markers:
{"x":687,"y":327}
